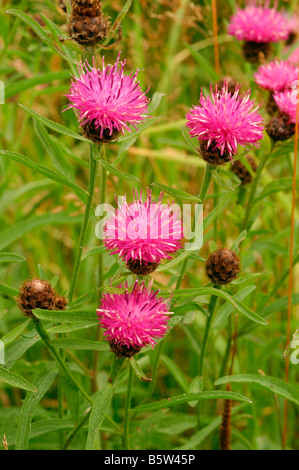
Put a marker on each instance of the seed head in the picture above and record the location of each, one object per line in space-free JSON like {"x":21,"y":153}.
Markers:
{"x":223,"y":266}
{"x":87,"y":24}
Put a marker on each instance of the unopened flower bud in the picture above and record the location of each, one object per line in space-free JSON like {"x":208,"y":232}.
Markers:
{"x":223,"y":266}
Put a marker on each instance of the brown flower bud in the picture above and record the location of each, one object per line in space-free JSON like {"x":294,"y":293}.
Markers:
{"x":91,"y":132}
{"x":87,"y":24}
{"x":280,"y":128}
{"x":231,"y":83}
{"x":122,"y":350}
{"x":211,"y":155}
{"x":223,"y":266}
{"x":241,"y":171}
{"x":141,"y":268}
{"x":256,"y":52}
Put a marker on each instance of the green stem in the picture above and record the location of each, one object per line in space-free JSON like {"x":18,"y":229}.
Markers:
{"x":127,"y":407}
{"x":58,"y":359}
{"x":212,"y":306}
{"x":93,"y":165}
{"x":254,"y":185}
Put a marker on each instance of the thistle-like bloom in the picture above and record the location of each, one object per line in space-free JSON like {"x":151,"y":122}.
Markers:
{"x":287,"y":103}
{"x":226,"y":120}
{"x":259,"y":24}
{"x":133,"y":319}
{"x":143,"y":233}
{"x":107,"y":100}
{"x":276,"y":75}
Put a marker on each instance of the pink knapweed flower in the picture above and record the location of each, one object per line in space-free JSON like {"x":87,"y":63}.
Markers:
{"x":276,"y":75}
{"x":287,"y":103}
{"x":226,"y":120}
{"x":258,"y":23}
{"x":143,"y":233}
{"x":107,"y":100}
{"x":134,"y":318}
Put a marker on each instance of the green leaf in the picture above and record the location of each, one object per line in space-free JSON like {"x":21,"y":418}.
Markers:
{"x":117,"y":172}
{"x":42,"y":383}
{"x":11,"y":258}
{"x":194,"y":292}
{"x":178,"y":193}
{"x":53,"y":125}
{"x":278,"y":386}
{"x":179,"y":399}
{"x":15,"y":380}
{"x":226,"y":310}
{"x":71,"y":394}
{"x":8,"y":290}
{"x":200,"y":435}
{"x":225,"y":199}
{"x":282,"y":184}
{"x":155,"y":102}
{"x":176,"y":372}
{"x":84,"y":344}
{"x":192,"y":142}
{"x":203,"y":63}
{"x":221,"y":182}
{"x":141,"y":127}
{"x":98,"y":250}
{"x":138,"y":371}
{"x":14,"y":88}
{"x":53,"y":175}
{"x":16,"y":231}
{"x":120,"y":17}
{"x":84,"y":315}
{"x":101,"y":404}
{"x":15,"y":333}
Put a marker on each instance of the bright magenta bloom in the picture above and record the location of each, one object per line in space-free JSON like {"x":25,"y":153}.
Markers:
{"x":287,"y":103}
{"x":133,"y":319}
{"x":276,"y":75}
{"x":146,"y":231}
{"x":108,"y":98}
{"x":260,"y":24}
{"x":226,"y":120}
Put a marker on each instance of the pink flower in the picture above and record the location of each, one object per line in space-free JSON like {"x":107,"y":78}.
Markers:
{"x":226,"y":120}
{"x":259,"y":24}
{"x":133,"y":319}
{"x":294,"y":57}
{"x":276,"y":76}
{"x":108,"y":99}
{"x":146,"y":231}
{"x":287,"y":103}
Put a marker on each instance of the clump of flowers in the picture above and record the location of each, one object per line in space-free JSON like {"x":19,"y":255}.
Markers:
{"x":133,"y":319}
{"x":108,"y":101}
{"x":143,"y":233}
{"x":223,"y":121}
{"x":258,"y":25}
{"x":282,"y":127}
{"x":276,"y":75}
{"x":223,"y":266}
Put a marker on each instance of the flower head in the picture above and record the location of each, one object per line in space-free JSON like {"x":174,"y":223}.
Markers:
{"x":143,"y":233}
{"x":287,"y":103}
{"x":259,"y":24}
{"x":134,"y":318}
{"x":226,"y":120}
{"x":107,"y":100}
{"x":276,"y":75}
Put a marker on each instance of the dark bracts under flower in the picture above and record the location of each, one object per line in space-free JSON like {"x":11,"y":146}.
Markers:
{"x":133,"y":319}
{"x":213,"y":155}
{"x":256,"y":52}
{"x":231,"y":84}
{"x":223,"y":266}
{"x":241,"y":171}
{"x":38,"y":293}
{"x":280,"y":128}
{"x":87,"y":24}
{"x":97,"y":134}
{"x":142,"y":269}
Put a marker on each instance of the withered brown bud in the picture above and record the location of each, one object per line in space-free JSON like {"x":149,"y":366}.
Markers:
{"x":231,"y":83}
{"x":256,"y":52}
{"x":292,"y":37}
{"x":123,"y":351}
{"x":137,"y":267}
{"x":280,"y":128}
{"x":211,"y":155}
{"x":241,"y":171}
{"x":38,"y":293}
{"x":60,"y":302}
{"x":91,"y":132}
{"x":87,"y":24}
{"x":223,"y":266}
